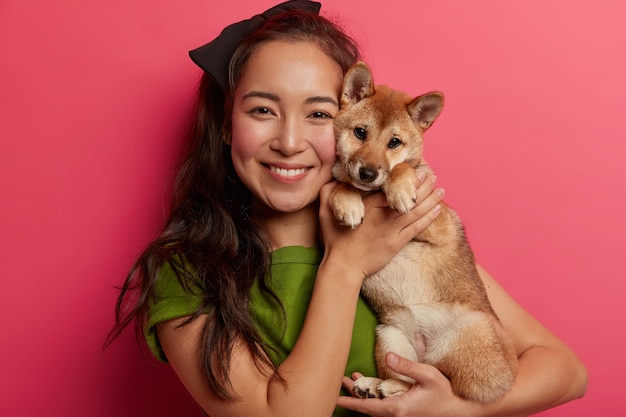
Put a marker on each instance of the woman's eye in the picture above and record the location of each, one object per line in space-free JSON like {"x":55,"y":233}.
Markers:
{"x":321,"y":115}
{"x":261,"y":111}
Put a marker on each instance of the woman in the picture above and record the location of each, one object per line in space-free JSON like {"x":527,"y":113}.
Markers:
{"x":251,"y":292}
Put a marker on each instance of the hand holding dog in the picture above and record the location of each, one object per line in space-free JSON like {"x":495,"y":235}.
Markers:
{"x":431,"y":395}
{"x":384,"y":231}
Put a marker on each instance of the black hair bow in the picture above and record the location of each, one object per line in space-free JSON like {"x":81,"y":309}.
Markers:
{"x":214,"y":57}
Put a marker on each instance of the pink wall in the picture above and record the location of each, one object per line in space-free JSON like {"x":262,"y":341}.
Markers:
{"x":93,"y":96}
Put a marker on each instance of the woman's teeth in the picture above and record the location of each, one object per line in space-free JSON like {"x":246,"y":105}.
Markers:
{"x":287,"y":172}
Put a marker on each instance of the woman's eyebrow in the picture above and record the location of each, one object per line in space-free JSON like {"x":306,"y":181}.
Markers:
{"x":275,"y":98}
{"x":261,"y":94}
{"x":321,"y":99}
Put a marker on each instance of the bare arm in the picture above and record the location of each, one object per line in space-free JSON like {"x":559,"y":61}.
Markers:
{"x":314,"y":369}
{"x":549,"y":373}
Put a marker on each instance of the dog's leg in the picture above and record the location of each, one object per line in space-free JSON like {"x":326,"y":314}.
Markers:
{"x":389,"y":338}
{"x":400,"y":188}
{"x":347,"y":205}
{"x":476,"y":355}
{"x":404,"y":342}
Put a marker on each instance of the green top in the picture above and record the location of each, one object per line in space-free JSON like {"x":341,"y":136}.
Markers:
{"x":293,"y":272}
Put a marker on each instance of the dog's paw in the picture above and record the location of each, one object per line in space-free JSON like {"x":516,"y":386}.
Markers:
{"x":366,"y":387}
{"x":351,"y":218}
{"x":401,"y":197}
{"x":348,"y":208}
{"x":392,"y":387}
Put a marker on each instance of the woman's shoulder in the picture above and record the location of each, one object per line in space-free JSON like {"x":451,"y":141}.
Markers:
{"x":174,"y":297}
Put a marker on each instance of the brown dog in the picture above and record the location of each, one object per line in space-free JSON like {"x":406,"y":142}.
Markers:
{"x":430,"y":300}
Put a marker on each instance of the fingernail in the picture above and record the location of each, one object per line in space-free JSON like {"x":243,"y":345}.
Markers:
{"x":441,"y":192}
{"x":421,"y":176}
{"x":392,"y":359}
{"x":433,"y":178}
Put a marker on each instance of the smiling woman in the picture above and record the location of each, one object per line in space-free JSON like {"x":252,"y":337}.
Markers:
{"x":283,"y":145}
{"x":250,"y":242}
{"x":95,"y":98}
{"x":242,"y":247}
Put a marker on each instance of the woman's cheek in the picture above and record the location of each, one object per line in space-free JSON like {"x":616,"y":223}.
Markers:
{"x":245,"y":141}
{"x":327,"y":149}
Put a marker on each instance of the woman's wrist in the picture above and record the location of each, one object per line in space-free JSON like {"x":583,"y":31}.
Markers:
{"x":341,"y":270}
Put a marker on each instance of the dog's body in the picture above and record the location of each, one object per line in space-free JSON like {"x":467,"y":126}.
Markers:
{"x":430,"y":299}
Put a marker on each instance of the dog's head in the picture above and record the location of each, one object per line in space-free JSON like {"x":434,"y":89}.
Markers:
{"x":378,"y":128}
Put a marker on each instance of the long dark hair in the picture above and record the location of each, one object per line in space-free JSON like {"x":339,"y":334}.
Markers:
{"x":209,"y":238}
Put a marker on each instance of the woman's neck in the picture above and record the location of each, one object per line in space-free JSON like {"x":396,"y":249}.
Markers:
{"x":299,"y":228}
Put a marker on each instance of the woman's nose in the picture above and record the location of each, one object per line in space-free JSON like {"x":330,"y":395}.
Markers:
{"x":289,"y":138}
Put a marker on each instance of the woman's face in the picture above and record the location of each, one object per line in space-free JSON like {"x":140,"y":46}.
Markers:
{"x":283,"y":146}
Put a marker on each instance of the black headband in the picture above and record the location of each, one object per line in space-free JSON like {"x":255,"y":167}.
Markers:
{"x":214,"y":57}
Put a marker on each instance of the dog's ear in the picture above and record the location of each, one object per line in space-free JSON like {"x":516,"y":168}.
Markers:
{"x":357,"y":84}
{"x":426,"y":108}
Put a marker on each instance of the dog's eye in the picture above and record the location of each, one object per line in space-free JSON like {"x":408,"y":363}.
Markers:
{"x":394,"y":143}
{"x":360,"y":133}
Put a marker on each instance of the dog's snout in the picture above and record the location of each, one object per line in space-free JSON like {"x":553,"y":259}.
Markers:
{"x":368,"y":174}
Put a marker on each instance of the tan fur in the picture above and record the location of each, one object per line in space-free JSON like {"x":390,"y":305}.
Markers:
{"x":430,"y":300}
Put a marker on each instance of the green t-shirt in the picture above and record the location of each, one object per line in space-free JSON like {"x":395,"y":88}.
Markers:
{"x":293,"y":272}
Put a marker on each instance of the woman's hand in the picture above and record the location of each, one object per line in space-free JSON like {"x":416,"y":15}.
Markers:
{"x":371,"y":245}
{"x":431,"y":395}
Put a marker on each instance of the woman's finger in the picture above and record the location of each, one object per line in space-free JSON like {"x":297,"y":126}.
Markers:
{"x":423,"y":374}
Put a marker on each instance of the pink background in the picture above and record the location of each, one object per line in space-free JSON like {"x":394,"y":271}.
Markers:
{"x":93,"y":97}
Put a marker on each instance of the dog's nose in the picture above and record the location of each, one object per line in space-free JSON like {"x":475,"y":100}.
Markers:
{"x":368,"y":174}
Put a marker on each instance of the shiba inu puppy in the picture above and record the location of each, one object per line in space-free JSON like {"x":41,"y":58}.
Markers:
{"x":430,"y":300}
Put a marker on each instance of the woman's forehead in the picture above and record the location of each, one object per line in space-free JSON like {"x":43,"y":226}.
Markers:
{"x":291,"y":65}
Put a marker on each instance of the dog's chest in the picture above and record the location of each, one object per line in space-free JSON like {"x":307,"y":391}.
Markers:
{"x":406,"y":280}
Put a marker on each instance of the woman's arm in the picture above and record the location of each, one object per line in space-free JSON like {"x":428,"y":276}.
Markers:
{"x":314,"y":369}
{"x":549,"y":373}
